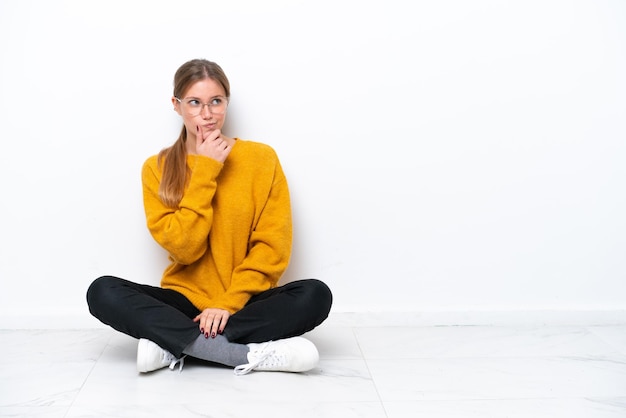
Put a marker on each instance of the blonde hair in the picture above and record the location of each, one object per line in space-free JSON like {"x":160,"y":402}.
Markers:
{"x":173,"y":160}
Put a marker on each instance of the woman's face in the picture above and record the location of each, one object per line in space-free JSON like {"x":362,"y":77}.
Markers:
{"x":201,"y":106}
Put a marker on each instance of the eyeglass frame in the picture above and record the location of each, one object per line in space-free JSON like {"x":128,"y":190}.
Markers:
{"x":208,"y":105}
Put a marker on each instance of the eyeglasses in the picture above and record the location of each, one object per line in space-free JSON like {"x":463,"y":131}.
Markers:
{"x":193,"y":107}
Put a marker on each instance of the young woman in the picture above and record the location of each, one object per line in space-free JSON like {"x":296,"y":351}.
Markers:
{"x":220,"y":207}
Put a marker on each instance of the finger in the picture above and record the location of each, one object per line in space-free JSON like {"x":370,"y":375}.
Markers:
{"x":208,"y":326}
{"x":215,"y":134}
{"x":215,"y":326}
{"x":198,"y":319}
{"x":222,"y":324}
{"x":205,"y":325}
{"x":201,"y":323}
{"x":199,"y":135}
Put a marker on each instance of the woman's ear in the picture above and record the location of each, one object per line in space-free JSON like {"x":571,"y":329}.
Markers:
{"x":176,"y":104}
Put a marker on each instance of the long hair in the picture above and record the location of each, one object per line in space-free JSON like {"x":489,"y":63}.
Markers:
{"x":173,"y":160}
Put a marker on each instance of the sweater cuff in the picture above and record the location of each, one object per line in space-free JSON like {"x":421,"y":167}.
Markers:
{"x":205,"y":164}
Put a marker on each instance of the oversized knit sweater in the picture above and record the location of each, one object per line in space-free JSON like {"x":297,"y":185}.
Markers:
{"x":230,"y":236}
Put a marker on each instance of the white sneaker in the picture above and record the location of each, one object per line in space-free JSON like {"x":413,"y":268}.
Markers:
{"x":294,"y":354}
{"x":152,"y":357}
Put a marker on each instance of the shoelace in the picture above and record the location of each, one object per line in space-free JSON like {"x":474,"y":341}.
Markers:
{"x":177,"y":360}
{"x":247,"y":368}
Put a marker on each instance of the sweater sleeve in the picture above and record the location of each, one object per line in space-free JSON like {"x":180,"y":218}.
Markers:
{"x":182,"y":231}
{"x":269,"y":247}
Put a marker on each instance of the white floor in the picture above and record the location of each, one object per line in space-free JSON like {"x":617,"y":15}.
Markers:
{"x":520,"y":370}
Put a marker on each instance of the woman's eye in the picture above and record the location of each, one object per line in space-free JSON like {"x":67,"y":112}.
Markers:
{"x":216,"y":101}
{"x":193,"y":102}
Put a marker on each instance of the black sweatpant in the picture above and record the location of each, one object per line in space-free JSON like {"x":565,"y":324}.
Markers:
{"x":166,"y":316}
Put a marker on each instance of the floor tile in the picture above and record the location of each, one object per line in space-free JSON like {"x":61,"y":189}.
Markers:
{"x":57,"y":345}
{"x":336,"y":342}
{"x":516,"y":408}
{"x":497,"y":378}
{"x":285,"y":409}
{"x":615,"y":336}
{"x":480,"y":341}
{"x":42,"y":383}
{"x":33,"y":411}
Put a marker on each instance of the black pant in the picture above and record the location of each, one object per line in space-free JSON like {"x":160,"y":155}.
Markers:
{"x":166,"y":316}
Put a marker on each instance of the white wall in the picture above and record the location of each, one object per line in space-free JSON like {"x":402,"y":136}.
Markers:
{"x":442,"y":155}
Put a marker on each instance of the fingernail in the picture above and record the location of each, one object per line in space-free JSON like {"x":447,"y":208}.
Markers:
{"x":213,"y":335}
{"x":206,"y":335}
{"x":201,"y":330}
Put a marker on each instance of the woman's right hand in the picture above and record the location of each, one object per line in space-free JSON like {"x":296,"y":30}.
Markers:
{"x":211,"y":144}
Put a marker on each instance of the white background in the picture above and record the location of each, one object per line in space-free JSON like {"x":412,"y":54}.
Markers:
{"x":442,"y":155}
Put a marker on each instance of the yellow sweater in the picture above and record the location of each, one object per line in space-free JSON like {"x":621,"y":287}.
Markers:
{"x":230,"y":237}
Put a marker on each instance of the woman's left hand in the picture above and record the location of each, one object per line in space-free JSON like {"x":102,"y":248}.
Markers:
{"x":212,"y":321}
